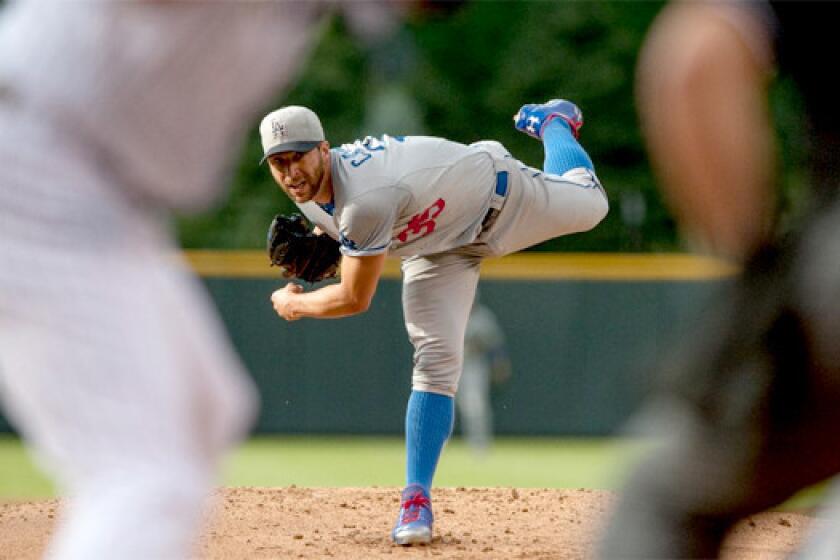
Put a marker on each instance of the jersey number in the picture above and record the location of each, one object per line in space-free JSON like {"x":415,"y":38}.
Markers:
{"x":361,"y":151}
{"x":422,"y":224}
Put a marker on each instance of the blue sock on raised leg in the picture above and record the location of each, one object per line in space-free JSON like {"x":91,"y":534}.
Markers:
{"x":429,"y":418}
{"x":562,"y":150}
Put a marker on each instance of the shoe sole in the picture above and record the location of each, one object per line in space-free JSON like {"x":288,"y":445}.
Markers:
{"x":406,"y":538}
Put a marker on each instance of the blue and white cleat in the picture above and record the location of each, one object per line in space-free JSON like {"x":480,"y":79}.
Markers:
{"x":414,"y":524}
{"x":533,"y":118}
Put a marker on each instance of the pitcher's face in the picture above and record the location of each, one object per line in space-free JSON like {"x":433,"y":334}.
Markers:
{"x":301,"y":175}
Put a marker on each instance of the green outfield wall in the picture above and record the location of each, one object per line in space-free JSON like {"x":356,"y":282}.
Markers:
{"x":583,"y":332}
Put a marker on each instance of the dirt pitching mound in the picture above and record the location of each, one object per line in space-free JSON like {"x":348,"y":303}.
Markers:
{"x":350,"y":523}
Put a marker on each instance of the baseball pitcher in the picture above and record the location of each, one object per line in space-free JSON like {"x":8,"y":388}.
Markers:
{"x":442,"y":207}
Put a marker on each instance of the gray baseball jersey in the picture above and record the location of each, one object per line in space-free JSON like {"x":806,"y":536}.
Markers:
{"x":412,"y":195}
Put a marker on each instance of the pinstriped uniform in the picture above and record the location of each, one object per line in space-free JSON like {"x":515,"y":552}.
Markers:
{"x":111,"y":363}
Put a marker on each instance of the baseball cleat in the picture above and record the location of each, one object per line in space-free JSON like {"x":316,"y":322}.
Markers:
{"x":533,"y":118}
{"x":414,"y":524}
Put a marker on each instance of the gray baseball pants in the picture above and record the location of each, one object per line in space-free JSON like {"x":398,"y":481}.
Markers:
{"x":438,"y":289}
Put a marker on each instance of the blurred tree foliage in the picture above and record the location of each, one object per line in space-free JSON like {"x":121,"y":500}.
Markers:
{"x":471,"y":72}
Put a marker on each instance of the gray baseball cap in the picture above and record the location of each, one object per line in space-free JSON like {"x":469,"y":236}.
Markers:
{"x":290,"y":129}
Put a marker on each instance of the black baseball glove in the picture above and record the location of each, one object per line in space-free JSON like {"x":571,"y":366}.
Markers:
{"x":300,"y":252}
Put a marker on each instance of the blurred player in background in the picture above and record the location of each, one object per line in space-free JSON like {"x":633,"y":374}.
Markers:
{"x":112,"y":365}
{"x":442,"y":206}
{"x":486,"y":366}
{"x":750,"y":409}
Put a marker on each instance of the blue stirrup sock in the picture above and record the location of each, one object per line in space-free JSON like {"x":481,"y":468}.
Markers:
{"x":429,"y":418}
{"x":562,"y":150}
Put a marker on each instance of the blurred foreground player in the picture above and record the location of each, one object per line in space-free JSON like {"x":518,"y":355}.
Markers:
{"x":750,"y":408}
{"x":112,"y":365}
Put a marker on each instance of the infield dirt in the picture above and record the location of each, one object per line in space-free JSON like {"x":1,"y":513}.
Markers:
{"x":354,"y":523}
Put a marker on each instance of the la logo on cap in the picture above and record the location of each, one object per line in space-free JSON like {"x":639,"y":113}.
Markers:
{"x":278,"y":129}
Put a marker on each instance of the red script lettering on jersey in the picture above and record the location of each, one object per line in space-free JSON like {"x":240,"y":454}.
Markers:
{"x":422,"y":224}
